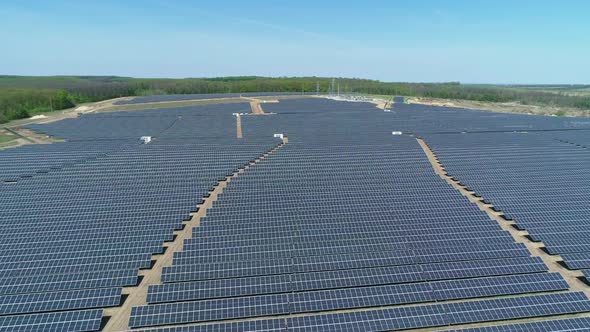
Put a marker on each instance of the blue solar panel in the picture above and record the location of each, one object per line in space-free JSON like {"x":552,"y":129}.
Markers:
{"x":209,"y":310}
{"x":83,"y":320}
{"x":43,"y":302}
{"x":267,"y":325}
{"x":58,"y":282}
{"x":559,"y":325}
{"x":443,"y":314}
{"x":218,"y":288}
{"x":360,"y":297}
{"x":514,"y":284}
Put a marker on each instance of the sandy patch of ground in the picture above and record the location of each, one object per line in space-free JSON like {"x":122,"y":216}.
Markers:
{"x":501,"y":107}
{"x":239,"y":126}
{"x":256,"y":108}
{"x":83,"y":108}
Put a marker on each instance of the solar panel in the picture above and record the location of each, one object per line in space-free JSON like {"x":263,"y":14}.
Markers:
{"x":372,"y":320}
{"x":444,"y":314}
{"x":82,"y":320}
{"x":225,"y":270}
{"x":267,"y":325}
{"x":49,"y":283}
{"x":577,"y":261}
{"x":561,"y":325}
{"x":519,"y":307}
{"x":359,"y":297}
{"x":208,"y":310}
{"x":359,"y":277}
{"x":482,"y":287}
{"x":42,"y":302}
{"x":218,"y":288}
{"x":455,"y":270}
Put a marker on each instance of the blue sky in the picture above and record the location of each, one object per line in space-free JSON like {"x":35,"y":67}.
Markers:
{"x":418,"y":41}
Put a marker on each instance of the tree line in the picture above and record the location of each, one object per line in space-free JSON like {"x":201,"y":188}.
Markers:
{"x":22,"y":97}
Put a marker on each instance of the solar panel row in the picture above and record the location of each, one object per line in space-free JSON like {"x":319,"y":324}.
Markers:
{"x":440,"y":290}
{"x":397,"y":318}
{"x":536,"y":179}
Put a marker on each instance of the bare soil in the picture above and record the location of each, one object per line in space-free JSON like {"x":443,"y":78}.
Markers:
{"x":256,"y":108}
{"x":502,"y":107}
{"x":239,"y":126}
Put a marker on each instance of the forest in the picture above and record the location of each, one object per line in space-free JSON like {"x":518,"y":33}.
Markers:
{"x":24,"y":96}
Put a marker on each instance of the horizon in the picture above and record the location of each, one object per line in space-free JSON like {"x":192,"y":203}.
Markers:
{"x":278,"y":77}
{"x":528,"y":43}
{"x":319,"y":77}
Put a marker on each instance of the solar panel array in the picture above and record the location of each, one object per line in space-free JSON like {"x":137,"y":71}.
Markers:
{"x":213,"y":122}
{"x":537,"y":179}
{"x":183,"y":97}
{"x":80,"y":218}
{"x":344,"y":218}
{"x":345,"y":228}
{"x":559,"y":325}
{"x":24,"y":161}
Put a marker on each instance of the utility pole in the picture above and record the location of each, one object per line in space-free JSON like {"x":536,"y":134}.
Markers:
{"x":317,"y":88}
{"x":338,"y":89}
{"x":333,"y":86}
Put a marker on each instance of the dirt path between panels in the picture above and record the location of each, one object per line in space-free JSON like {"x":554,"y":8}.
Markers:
{"x":137,"y":296}
{"x":256,"y":108}
{"x":239,"y":133}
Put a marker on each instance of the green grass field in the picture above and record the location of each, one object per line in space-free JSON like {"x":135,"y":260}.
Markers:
{"x":5,"y":138}
{"x":581,"y":92}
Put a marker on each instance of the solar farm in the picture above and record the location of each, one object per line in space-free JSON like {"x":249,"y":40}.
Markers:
{"x":313,"y":215}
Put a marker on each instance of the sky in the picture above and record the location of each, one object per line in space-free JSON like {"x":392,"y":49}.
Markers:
{"x":475,"y":41}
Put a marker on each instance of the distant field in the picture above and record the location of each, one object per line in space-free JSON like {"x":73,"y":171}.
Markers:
{"x":24,"y":96}
{"x":581,"y":91}
{"x":5,"y":138}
